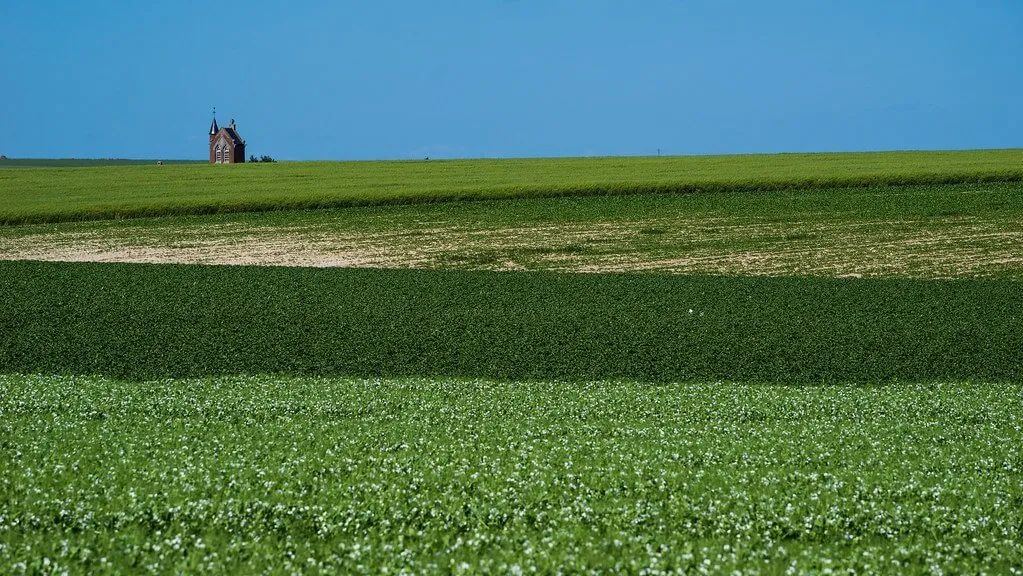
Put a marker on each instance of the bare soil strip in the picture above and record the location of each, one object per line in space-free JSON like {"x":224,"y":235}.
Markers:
{"x":935,"y":248}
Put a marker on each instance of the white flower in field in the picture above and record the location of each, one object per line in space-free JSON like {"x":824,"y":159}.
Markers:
{"x":690,"y":310}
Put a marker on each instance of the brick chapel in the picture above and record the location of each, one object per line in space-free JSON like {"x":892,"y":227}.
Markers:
{"x":226,"y":146}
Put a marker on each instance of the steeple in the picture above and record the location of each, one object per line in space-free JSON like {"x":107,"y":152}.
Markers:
{"x":213,"y":127}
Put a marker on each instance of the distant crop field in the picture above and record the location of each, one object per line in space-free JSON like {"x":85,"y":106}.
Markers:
{"x":84,"y":162}
{"x":58,"y":194}
{"x":273,"y":474}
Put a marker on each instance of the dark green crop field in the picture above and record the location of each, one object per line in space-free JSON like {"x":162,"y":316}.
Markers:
{"x":145,"y":321}
{"x":57,"y":194}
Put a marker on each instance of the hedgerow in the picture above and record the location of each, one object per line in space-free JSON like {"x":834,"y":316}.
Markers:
{"x":145,"y":321}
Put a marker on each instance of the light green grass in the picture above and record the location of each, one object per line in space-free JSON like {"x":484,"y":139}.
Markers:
{"x":266,"y":474}
{"x":55,"y":194}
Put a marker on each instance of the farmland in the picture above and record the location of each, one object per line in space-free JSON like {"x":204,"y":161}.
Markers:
{"x":764,"y":364}
{"x":83,"y":162}
{"x":239,"y":474}
{"x":949,"y":231}
{"x":148,"y":321}
{"x":57,"y":194}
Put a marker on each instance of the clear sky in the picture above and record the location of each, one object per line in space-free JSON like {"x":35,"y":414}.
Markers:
{"x":323,"y":79}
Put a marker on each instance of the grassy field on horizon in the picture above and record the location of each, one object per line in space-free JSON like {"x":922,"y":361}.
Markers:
{"x":59,"y":194}
{"x":85,"y":162}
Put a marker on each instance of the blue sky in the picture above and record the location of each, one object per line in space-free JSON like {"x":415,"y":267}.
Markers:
{"x":489,"y":78}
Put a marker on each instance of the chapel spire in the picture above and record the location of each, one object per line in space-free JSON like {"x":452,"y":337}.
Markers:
{"x":213,"y":127}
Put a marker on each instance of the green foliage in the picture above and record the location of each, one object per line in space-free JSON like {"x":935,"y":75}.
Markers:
{"x":58,"y":194}
{"x":144,"y":321}
{"x":278,"y":475}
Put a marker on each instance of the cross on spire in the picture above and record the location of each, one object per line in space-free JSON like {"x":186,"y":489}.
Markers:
{"x":213,"y":127}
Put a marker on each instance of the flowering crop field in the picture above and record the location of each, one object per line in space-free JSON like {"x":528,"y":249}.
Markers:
{"x":280,"y":474}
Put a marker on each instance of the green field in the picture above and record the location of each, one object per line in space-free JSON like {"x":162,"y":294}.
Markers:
{"x":56,"y":194}
{"x":250,"y":474}
{"x":772,"y":364}
{"x":84,"y":162}
{"x":147,"y":321}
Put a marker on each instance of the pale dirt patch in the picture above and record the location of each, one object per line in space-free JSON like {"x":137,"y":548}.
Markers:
{"x":937,"y":248}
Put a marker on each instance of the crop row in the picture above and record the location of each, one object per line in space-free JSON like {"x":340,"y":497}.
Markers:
{"x":144,"y":321}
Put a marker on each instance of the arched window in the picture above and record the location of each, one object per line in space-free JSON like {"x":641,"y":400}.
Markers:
{"x":220,"y":158}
